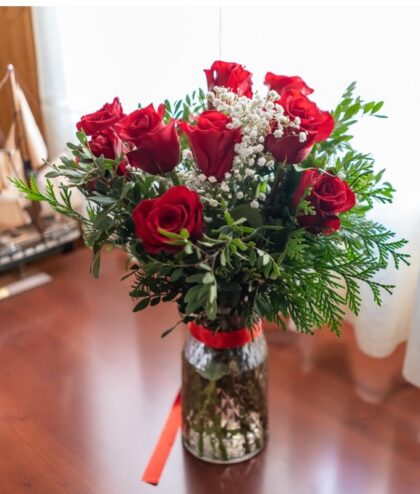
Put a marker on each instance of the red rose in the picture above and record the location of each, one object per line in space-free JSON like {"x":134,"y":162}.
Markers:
{"x":283,"y":83}
{"x":329,"y":196}
{"x":106,"y":143}
{"x":106,"y":117}
{"x":230,"y":75}
{"x":315,"y":123}
{"x":178,"y":208}
{"x":122,"y":169}
{"x":134,"y":126}
{"x":212,"y":144}
{"x":157,"y":145}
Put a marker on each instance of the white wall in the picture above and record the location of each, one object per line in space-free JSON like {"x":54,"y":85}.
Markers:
{"x":149,"y":54}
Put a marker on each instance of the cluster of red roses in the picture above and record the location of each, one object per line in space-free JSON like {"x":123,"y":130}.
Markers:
{"x":152,"y":146}
{"x":145,"y":141}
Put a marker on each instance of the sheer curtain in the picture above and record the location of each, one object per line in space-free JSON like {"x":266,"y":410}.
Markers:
{"x":149,"y":54}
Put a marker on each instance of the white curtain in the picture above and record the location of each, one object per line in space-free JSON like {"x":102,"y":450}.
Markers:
{"x":149,"y":54}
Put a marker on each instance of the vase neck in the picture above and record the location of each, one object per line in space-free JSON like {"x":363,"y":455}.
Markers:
{"x":225,"y":339}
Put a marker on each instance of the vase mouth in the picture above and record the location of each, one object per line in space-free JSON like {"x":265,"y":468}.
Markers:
{"x":225,"y":339}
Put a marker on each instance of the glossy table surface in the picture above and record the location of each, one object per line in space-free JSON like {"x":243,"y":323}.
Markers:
{"x":86,"y":385}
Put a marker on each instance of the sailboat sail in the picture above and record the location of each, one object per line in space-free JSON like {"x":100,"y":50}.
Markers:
{"x":11,"y":164}
{"x":36,"y":145}
{"x":13,"y":207}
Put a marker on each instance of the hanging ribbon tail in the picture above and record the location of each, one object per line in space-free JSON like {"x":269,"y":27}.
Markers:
{"x":164,"y":445}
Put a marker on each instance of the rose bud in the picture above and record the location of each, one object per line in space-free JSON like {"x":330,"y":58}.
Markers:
{"x":314,"y":126}
{"x":107,"y":116}
{"x":329,"y":196}
{"x":105,"y":143}
{"x":283,"y":83}
{"x":121,"y":170}
{"x":212,"y":144}
{"x":177,"y":209}
{"x":157,"y":145}
{"x":230,"y":75}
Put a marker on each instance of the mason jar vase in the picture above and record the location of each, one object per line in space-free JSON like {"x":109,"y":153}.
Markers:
{"x":224,"y":400}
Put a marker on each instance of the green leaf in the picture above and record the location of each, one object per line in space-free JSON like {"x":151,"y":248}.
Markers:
{"x":168,"y":331}
{"x":141,"y":305}
{"x":195,"y":278}
{"x":253,"y":216}
{"x":377,"y":106}
{"x":200,"y":278}
{"x":213,"y":294}
{"x":211,"y":311}
{"x":176,"y":275}
{"x":171,"y":235}
{"x":103,"y":222}
{"x":208,"y":278}
{"x":81,"y":136}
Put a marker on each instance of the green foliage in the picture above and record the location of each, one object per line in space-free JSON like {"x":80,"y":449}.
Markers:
{"x":346,"y":114}
{"x":192,"y":104}
{"x":251,"y":263}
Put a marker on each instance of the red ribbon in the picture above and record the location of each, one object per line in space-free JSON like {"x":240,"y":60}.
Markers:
{"x":218,"y":340}
{"x":224,"y":339}
{"x":164,"y":445}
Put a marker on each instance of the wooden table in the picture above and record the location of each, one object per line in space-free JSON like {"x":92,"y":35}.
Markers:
{"x":86,"y":385}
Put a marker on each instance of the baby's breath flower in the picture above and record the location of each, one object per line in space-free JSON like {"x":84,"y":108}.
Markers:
{"x":273,"y":95}
{"x":224,"y":186}
{"x":278,"y":132}
{"x":187,"y":154}
{"x":254,"y":204}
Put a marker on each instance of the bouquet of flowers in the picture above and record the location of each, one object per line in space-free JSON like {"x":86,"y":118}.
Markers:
{"x":233,"y":204}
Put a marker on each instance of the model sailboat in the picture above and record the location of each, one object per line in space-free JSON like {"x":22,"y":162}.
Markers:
{"x":23,"y":154}
{"x":26,"y":229}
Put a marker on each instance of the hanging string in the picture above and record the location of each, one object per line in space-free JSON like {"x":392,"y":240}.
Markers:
{"x":4,"y":80}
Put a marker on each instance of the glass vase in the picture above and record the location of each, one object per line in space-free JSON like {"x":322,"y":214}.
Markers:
{"x":224,"y":400}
